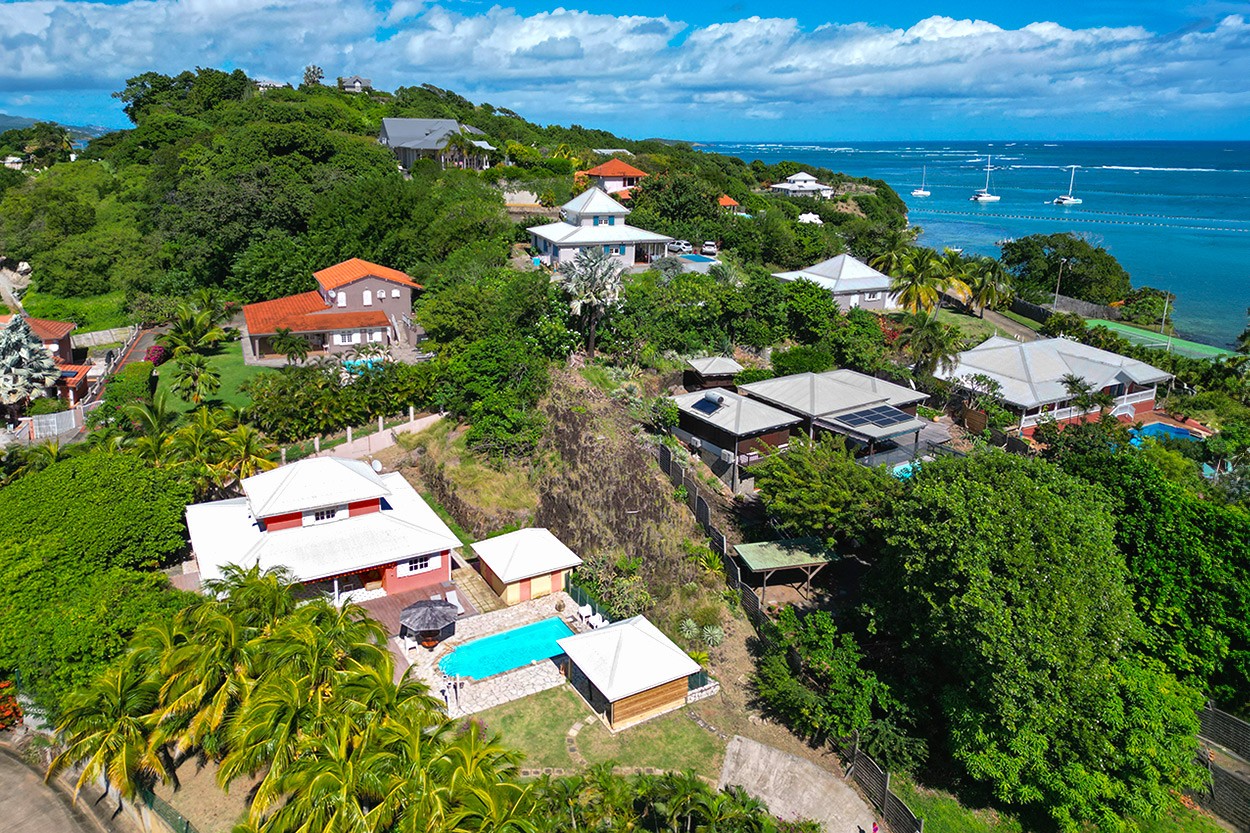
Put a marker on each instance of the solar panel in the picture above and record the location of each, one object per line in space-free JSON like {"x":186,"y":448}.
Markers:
{"x":706,"y":406}
{"x":880,"y":416}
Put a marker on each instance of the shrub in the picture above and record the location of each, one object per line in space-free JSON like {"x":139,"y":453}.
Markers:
{"x":688,"y":629}
{"x":754,"y":374}
{"x":157,"y":354}
{"x":713,"y":636}
{"x":10,"y":709}
{"x":133,"y":384}
{"x":46,"y":405}
{"x":802,"y":359}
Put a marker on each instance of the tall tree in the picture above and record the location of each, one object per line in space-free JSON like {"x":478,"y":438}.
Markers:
{"x":919,"y":281}
{"x":593,"y":283}
{"x":929,"y":343}
{"x":27,"y":369}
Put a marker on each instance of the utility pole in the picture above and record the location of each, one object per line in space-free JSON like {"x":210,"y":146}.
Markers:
{"x":1062,"y":261}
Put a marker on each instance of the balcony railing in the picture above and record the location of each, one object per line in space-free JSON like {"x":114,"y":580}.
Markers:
{"x":1071,"y":413}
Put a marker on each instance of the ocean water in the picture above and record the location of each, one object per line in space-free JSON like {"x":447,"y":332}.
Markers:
{"x":1175,"y":214}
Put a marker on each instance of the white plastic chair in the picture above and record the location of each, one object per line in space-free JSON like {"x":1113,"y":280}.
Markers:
{"x":583,"y":613}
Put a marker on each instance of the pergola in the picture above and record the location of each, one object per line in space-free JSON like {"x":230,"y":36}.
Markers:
{"x":809,"y":555}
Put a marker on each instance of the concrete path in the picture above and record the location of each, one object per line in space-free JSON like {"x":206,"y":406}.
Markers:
{"x":794,"y":788}
{"x":30,"y":806}
{"x":377,"y":441}
{"x":7,"y":296}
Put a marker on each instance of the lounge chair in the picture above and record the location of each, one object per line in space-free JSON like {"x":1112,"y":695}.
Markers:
{"x":455,"y":599}
{"x":596,"y":621}
{"x":584,"y":612}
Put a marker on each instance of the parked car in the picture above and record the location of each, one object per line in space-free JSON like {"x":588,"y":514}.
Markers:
{"x":709,"y":248}
{"x":681,"y":247}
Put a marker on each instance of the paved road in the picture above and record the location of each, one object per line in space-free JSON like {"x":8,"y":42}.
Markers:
{"x":30,"y":806}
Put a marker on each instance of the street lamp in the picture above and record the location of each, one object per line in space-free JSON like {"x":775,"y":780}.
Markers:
{"x":1062,"y":261}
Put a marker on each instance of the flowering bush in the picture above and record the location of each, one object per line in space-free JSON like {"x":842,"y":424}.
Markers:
{"x":10,"y":710}
{"x":157,"y":355}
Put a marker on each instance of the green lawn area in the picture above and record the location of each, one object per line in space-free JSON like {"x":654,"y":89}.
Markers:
{"x":89,"y":312}
{"x":1019,"y":319}
{"x":973,"y":328}
{"x":537,"y":726}
{"x":228,"y":360}
{"x":942,"y":813}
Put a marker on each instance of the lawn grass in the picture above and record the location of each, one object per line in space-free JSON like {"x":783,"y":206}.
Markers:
{"x":537,"y":725}
{"x":90,"y":312}
{"x":942,"y":813}
{"x":974,"y":329}
{"x":671,"y":742}
{"x":228,"y":361}
{"x":1022,"y":320}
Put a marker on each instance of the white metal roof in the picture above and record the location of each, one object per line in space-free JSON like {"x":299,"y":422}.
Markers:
{"x":312,"y":484}
{"x":841,"y":274}
{"x":812,"y":395}
{"x":627,"y":657}
{"x":566,"y":234}
{"x":1031,"y":373}
{"x":801,"y":176}
{"x":811,"y":219}
{"x":896,"y":395}
{"x":736,"y":414}
{"x":715,"y":366}
{"x":226,"y":532}
{"x":526,"y":553}
{"x":594,"y":200}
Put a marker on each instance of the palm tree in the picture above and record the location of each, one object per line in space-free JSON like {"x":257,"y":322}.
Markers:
{"x":988,"y":284}
{"x":593,"y":282}
{"x":929,"y":343}
{"x":27,"y":369}
{"x":957,"y":270}
{"x":459,"y":152}
{"x":153,"y":419}
{"x":108,"y":729}
{"x":192,"y":331}
{"x":257,"y":598}
{"x":919,"y":281}
{"x":245,"y":454}
{"x":893,"y":252}
{"x":497,"y":807}
{"x":194,"y":378}
{"x":1084,"y":397}
{"x":294,"y":347}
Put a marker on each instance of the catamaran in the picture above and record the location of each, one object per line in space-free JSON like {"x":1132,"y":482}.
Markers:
{"x":983,"y":194}
{"x":921,"y":192}
{"x":1068,"y":199}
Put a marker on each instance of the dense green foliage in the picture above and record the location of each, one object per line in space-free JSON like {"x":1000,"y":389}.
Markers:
{"x":107,"y":509}
{"x":1001,"y":580}
{"x":1090,"y":272}
{"x":131,"y":385}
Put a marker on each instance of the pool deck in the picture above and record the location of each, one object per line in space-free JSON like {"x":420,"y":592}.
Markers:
{"x":1193,"y":426}
{"x":475,"y":696}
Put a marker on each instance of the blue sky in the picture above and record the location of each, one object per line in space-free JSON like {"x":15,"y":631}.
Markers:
{"x":782,"y":70}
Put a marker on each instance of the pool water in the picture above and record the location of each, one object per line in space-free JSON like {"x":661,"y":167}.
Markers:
{"x":904,"y":471}
{"x":1161,"y":431}
{"x":699,"y":258}
{"x":505,"y":651}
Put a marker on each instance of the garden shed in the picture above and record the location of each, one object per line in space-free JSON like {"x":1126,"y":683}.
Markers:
{"x":628,"y":671}
{"x":526,"y":564}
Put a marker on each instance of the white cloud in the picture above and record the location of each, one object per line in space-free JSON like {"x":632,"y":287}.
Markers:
{"x":565,"y":63}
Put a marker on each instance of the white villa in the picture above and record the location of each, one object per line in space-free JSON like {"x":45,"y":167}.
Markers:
{"x":803,"y":184}
{"x":1031,"y":375}
{"x":852,"y":282}
{"x":593,"y":219}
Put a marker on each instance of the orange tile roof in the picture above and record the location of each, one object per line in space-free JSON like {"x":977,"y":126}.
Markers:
{"x":72,"y":375}
{"x":306,"y":313}
{"x":727,"y":201}
{"x":43,"y":328}
{"x":341,"y":274}
{"x":615,"y":167}
{"x":623,"y":194}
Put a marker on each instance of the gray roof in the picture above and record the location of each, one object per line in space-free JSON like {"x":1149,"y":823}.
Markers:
{"x":841,"y":274}
{"x":421,"y":134}
{"x":594,"y":200}
{"x":1031,"y":373}
{"x":811,"y":395}
{"x":736,"y":414}
{"x":352,"y":79}
{"x":715,"y":366}
{"x":896,"y":395}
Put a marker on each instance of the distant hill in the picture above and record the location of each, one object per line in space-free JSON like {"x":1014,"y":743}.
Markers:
{"x":91,"y":131}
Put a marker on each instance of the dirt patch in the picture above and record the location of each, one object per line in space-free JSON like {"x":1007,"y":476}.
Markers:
{"x":202,"y":802}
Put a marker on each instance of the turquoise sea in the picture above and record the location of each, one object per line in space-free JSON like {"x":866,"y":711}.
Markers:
{"x":1175,"y":214}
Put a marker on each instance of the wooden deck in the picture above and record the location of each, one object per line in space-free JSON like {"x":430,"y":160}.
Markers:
{"x":386,"y":609}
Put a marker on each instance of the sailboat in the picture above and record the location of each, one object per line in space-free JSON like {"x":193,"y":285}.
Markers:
{"x":1068,"y":199}
{"x":983,"y":194}
{"x":921,"y":192}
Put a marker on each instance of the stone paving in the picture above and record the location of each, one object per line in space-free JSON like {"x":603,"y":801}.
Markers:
{"x":30,"y":806}
{"x":479,"y":695}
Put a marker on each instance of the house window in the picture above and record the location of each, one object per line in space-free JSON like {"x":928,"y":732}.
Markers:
{"x":329,"y":513}
{"x":377,"y":335}
{"x":368,"y":298}
{"x":394,"y":293}
{"x":421,"y":564}
{"x":614,"y":250}
{"x":381,"y":295}
{"x":872,"y":296}
{"x":342,"y":299}
{"x":347,"y":338}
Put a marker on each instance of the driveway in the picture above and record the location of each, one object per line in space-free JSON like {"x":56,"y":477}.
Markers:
{"x":30,"y":806}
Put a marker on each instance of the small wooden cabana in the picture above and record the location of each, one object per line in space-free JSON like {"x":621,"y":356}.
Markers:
{"x":807,"y":555}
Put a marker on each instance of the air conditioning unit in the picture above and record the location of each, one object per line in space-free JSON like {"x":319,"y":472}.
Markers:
{"x":728,"y":456}
{"x":695,"y":442}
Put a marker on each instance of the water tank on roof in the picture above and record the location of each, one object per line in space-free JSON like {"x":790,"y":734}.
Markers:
{"x":715,"y":397}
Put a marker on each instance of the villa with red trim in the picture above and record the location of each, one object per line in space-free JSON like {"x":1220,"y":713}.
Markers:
{"x":336,"y":525}
{"x":355,"y":303}
{"x":614,"y":175}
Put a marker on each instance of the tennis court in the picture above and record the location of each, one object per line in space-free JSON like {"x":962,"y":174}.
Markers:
{"x":1160,"y":341}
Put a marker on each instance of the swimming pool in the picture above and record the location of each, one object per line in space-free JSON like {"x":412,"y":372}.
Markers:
{"x":699,"y":258}
{"x":1161,"y":431}
{"x":904,"y":471}
{"x":505,"y":651}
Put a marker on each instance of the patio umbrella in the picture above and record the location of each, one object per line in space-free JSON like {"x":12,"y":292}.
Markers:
{"x":426,"y":617}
